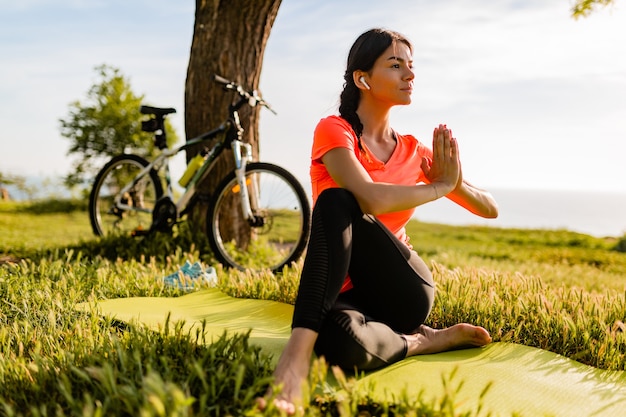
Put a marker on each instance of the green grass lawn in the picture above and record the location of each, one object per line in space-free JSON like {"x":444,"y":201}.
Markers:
{"x":555,"y":290}
{"x":42,"y":225}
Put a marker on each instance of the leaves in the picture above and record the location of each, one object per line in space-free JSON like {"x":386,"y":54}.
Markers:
{"x":584,"y":8}
{"x":105,"y":124}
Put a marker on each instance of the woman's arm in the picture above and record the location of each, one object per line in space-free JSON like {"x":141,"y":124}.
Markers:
{"x":377,"y":198}
{"x":468,"y":196}
{"x":474,"y":199}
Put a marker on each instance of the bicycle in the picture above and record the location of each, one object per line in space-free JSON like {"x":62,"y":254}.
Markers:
{"x":269,"y":230}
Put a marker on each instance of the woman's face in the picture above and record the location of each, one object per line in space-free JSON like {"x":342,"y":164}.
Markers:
{"x":391,"y":77}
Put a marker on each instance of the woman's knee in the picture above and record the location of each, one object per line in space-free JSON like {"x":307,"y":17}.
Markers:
{"x":336,"y":197}
{"x":348,"y":339}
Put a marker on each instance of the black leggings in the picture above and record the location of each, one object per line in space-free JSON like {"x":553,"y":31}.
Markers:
{"x":392,"y":290}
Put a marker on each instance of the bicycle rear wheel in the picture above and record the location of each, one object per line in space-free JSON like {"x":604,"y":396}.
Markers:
{"x":110,"y":212}
{"x":279,"y":232}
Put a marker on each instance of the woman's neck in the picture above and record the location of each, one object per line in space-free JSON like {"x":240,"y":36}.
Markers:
{"x":375,"y":123}
{"x":377,"y":134}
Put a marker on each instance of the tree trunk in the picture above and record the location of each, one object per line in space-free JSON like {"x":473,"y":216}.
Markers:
{"x":229,"y":40}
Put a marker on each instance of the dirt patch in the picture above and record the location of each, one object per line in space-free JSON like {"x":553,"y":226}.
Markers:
{"x":8,"y":259}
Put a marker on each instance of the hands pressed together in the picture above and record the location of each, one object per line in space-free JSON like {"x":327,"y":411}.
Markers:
{"x":444,"y":171}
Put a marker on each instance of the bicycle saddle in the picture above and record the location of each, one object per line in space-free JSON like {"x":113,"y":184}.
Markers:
{"x":157,"y":111}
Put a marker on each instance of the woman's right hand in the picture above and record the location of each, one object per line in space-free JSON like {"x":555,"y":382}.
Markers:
{"x":445,"y":168}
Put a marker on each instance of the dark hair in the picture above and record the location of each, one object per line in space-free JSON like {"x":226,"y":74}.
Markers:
{"x":364,"y":52}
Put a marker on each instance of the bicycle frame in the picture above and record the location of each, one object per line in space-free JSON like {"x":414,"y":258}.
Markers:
{"x":242,"y":154}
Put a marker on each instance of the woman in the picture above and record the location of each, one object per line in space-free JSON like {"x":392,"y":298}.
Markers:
{"x":364,"y":293}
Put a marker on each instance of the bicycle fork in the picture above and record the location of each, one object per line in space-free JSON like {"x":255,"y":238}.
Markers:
{"x":243,"y":155}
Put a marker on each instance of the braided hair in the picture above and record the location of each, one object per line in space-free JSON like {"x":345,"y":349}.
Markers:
{"x":362,"y":56}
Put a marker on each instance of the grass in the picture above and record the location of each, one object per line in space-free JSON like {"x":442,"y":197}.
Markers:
{"x":30,"y":226}
{"x":556,"y":290}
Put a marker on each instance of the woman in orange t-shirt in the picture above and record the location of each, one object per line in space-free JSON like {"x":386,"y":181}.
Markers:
{"x":364,"y":293}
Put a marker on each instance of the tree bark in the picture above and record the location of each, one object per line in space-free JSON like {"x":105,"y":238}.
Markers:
{"x":229,"y":39}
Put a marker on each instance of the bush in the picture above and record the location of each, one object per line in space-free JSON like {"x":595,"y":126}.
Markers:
{"x":621,"y":245}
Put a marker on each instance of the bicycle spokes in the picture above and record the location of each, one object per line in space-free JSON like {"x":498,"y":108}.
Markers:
{"x":272,"y":236}
{"x":122,"y":202}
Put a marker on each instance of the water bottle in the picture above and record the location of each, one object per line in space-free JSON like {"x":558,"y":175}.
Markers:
{"x":195,"y":163}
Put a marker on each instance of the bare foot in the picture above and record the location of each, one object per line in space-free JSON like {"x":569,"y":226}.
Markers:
{"x":291,"y":372}
{"x":428,"y":340}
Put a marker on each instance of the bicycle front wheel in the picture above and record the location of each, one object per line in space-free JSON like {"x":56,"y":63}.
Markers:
{"x":120,"y":202}
{"x":279,"y":230}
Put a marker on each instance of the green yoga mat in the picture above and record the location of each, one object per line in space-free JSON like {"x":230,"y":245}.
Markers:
{"x":524,"y":380}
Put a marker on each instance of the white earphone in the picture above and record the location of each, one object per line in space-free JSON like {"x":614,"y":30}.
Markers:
{"x":362,"y":79}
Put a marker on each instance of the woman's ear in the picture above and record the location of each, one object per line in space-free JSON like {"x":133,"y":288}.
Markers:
{"x":360,"y":80}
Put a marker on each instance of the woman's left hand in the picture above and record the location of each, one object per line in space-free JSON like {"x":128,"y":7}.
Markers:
{"x":445,"y":167}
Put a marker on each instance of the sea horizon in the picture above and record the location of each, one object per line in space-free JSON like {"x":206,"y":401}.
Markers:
{"x":596,"y":213}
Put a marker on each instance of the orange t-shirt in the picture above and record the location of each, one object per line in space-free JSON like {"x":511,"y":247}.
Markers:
{"x":403,"y":167}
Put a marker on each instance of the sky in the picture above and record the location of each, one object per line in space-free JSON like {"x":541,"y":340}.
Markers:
{"x":536,"y":99}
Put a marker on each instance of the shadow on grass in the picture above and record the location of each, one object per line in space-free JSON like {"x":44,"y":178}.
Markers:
{"x":157,"y":245}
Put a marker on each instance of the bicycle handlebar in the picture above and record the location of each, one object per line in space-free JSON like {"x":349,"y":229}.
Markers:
{"x":253,"y":97}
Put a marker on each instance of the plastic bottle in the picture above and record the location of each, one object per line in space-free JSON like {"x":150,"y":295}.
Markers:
{"x":195,"y":163}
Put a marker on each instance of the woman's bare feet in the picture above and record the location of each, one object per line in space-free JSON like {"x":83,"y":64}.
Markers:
{"x":291,"y":372}
{"x":428,"y":340}
{"x":293,"y":366}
